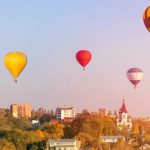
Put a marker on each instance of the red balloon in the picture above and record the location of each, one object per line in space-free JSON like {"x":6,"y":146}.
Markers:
{"x":83,"y":57}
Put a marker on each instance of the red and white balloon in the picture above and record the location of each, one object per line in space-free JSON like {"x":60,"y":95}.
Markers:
{"x":135,"y":75}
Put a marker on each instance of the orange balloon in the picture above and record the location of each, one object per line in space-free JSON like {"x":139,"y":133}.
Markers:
{"x":146,"y":18}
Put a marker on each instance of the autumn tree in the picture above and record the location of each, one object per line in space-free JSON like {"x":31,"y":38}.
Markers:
{"x":53,"y":131}
{"x":135,"y":130}
{"x":89,"y":127}
{"x":6,"y":145}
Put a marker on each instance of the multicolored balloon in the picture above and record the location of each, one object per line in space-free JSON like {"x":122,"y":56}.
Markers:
{"x":15,"y":62}
{"x":146,"y":18}
{"x":135,"y":75}
{"x":83,"y":57}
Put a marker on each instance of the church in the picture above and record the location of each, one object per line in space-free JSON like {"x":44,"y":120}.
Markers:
{"x":123,"y":120}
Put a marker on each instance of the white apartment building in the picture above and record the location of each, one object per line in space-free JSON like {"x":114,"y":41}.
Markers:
{"x":65,"y":112}
{"x":63,"y":144}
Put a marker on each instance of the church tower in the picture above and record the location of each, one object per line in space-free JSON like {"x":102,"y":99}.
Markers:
{"x":123,"y":118}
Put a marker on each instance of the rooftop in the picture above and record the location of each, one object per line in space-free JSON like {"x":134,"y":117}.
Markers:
{"x":111,"y":137}
{"x":123,"y":108}
{"x":61,"y":140}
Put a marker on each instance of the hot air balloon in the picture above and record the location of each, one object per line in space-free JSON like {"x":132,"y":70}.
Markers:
{"x":146,"y":18}
{"x":83,"y":57}
{"x":135,"y":75}
{"x":15,"y":62}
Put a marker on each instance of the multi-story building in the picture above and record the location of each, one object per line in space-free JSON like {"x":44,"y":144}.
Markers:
{"x":21,"y":110}
{"x":123,"y":119}
{"x":65,"y":113}
{"x":63,"y":144}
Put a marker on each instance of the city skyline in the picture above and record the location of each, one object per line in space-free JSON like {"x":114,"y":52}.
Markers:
{"x":106,"y":111}
{"x":50,"y":34}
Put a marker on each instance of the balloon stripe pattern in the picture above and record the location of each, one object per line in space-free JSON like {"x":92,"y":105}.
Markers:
{"x":135,"y":75}
{"x":83,"y":57}
{"x":146,"y":18}
{"x":15,"y":62}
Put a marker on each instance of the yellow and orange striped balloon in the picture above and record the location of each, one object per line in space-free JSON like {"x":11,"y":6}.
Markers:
{"x":146,"y":18}
{"x":15,"y":62}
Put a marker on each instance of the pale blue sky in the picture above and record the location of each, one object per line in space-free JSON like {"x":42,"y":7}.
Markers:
{"x":51,"y":32}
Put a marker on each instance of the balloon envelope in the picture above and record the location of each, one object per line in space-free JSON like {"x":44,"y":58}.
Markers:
{"x":83,"y":57}
{"x":15,"y":62}
{"x":135,"y":75}
{"x":146,"y":18}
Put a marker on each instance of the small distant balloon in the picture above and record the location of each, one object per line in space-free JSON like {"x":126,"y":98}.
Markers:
{"x":15,"y":62}
{"x":83,"y":57}
{"x":135,"y":75}
{"x":146,"y":18}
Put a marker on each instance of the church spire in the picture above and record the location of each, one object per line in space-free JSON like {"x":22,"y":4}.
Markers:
{"x":123,"y":108}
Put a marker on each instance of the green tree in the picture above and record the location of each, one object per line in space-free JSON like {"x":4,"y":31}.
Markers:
{"x":20,"y":123}
{"x":9,"y":122}
{"x":18,"y":137}
{"x":45,"y":118}
{"x":34,"y":147}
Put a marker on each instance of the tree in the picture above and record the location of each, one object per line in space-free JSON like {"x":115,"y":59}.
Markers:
{"x":121,"y":145}
{"x":6,"y":145}
{"x":18,"y":137}
{"x":89,"y":127}
{"x":9,"y":122}
{"x":135,"y":130}
{"x":68,"y":133}
{"x":20,"y":123}
{"x":45,"y":118}
{"x":53,"y":131}
{"x":38,"y":135}
{"x":34,"y":147}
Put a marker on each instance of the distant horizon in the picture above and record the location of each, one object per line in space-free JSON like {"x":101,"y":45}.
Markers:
{"x":77,"y":110}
